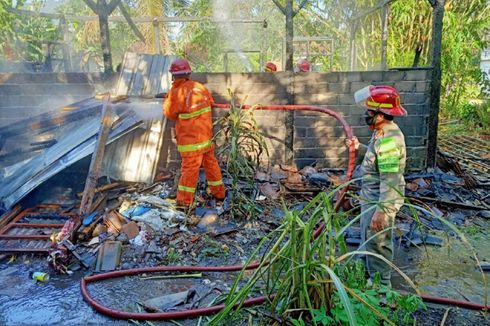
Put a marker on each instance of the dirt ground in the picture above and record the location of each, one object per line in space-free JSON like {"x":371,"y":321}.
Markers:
{"x":445,"y":269}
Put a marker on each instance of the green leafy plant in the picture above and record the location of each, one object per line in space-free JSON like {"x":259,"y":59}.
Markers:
{"x":172,"y":256}
{"x":476,"y":114}
{"x":241,"y":151}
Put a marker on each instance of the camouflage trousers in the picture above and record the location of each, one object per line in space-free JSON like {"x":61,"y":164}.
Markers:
{"x":381,"y":244}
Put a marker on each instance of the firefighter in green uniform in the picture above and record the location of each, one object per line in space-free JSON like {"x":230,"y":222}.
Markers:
{"x":383,"y":185}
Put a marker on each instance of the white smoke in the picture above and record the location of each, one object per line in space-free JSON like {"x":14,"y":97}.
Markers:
{"x":233,"y":33}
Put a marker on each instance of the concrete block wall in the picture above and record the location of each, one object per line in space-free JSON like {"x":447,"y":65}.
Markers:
{"x":25,"y":95}
{"x":256,"y":89}
{"x":318,"y":138}
{"x":300,"y":138}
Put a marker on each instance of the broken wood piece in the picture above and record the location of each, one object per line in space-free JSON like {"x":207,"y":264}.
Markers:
{"x":103,"y":188}
{"x":217,"y":231}
{"x":441,"y":202}
{"x":301,"y":188}
{"x":114,"y":222}
{"x":96,"y":205}
{"x":8,"y":216}
{"x":97,"y":157}
{"x":86,"y":259}
{"x":113,"y":99}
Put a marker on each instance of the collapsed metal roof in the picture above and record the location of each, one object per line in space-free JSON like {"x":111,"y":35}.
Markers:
{"x":37,"y":148}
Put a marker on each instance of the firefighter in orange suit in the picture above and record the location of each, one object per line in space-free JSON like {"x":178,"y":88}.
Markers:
{"x":189,"y":103}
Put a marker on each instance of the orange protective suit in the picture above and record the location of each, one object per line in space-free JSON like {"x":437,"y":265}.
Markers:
{"x":189,"y":103}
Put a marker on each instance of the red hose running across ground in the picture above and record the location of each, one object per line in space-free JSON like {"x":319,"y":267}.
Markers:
{"x":258,"y":300}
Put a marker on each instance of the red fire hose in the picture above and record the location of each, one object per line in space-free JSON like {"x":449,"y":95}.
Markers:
{"x":258,"y":300}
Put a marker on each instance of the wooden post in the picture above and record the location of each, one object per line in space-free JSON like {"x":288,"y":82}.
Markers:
{"x":435,"y":89}
{"x":105,"y":41}
{"x":97,"y":157}
{"x":289,"y":36}
{"x":103,"y":10}
{"x":289,"y":12}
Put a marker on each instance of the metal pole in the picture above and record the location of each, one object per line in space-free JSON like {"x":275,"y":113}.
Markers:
{"x":156,"y":31}
{"x":384,"y":35}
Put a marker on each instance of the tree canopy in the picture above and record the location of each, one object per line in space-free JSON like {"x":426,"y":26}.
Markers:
{"x":242,"y":35}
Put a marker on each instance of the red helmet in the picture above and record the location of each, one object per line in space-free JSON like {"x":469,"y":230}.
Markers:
{"x":380,"y":98}
{"x":270,"y":67}
{"x":180,"y":67}
{"x":303,"y":65}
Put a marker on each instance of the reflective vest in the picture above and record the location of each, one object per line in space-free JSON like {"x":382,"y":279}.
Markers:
{"x":382,"y":169}
{"x":189,"y":103}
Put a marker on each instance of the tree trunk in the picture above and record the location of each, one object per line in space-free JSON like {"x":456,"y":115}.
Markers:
{"x":437,"y":23}
{"x":105,"y":41}
{"x":418,"y":51}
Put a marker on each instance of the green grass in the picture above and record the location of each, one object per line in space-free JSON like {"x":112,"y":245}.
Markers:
{"x":312,"y":279}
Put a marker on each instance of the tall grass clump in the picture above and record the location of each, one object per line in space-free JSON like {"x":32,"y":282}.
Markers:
{"x":312,"y":280}
{"x":242,"y":147}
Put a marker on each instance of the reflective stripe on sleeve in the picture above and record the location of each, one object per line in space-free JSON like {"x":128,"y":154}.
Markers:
{"x":195,"y":113}
{"x":215,"y":183}
{"x":194,"y":147}
{"x":187,"y":189}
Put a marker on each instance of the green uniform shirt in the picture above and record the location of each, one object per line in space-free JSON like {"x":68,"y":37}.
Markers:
{"x":382,"y":169}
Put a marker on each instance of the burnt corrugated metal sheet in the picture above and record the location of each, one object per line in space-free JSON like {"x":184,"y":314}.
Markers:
{"x":144,"y":74}
{"x":33,"y":150}
{"x":75,"y":142}
{"x":135,"y":156}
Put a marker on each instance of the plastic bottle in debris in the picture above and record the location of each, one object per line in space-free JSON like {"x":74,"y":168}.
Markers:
{"x":39,"y":276}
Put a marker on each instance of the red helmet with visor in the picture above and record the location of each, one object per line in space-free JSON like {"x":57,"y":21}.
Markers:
{"x":270,"y":67}
{"x":380,"y":98}
{"x":180,"y":67}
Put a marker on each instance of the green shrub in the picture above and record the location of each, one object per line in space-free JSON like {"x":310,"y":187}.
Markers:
{"x":476,"y":114}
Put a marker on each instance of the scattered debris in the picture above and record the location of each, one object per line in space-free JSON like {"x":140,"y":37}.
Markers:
{"x":166,"y":302}
{"x":109,"y":256}
{"x":131,"y":230}
{"x":39,"y":276}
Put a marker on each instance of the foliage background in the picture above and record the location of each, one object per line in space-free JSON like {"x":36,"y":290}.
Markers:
{"x":466,"y":24}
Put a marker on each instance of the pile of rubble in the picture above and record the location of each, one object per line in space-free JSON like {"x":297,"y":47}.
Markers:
{"x":135,"y":225}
